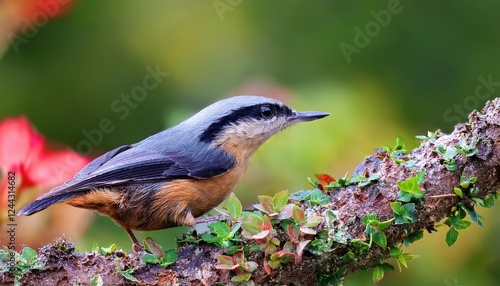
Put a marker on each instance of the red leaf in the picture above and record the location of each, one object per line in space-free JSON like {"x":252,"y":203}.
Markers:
{"x":267,"y":268}
{"x":324,"y":179}
{"x":292,"y":231}
{"x":261,"y":235}
{"x":300,"y":248}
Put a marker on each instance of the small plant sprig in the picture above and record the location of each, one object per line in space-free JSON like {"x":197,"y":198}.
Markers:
{"x":456,"y":222}
{"x":327,"y":182}
{"x":379,"y":270}
{"x":449,"y":154}
{"x":239,"y":265}
{"x":156,"y":254}
{"x":431,"y":136}
{"x":96,"y":280}
{"x":374,"y":229}
{"x":396,"y":252}
{"x":409,"y":189}
{"x":258,"y":227}
{"x":465,"y":206}
{"x":314,"y":197}
{"x":222,"y":235}
{"x":300,"y":231}
{"x":272,"y":206}
{"x":104,"y":250}
{"x":396,"y":153}
{"x":325,"y":238}
{"x":15,"y":264}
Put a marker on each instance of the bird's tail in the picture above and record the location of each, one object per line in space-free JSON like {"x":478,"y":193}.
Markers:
{"x":55,"y":196}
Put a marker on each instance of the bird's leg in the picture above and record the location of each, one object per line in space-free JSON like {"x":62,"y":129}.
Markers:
{"x":136,"y":246}
{"x":132,"y":236}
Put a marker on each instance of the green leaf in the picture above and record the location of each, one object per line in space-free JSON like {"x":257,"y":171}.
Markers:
{"x":220,"y":229}
{"x":452,"y":167}
{"x":280,"y":200}
{"x":234,"y":229}
{"x":387,"y":267}
{"x":274,"y":264}
{"x":404,"y":213}
{"x":395,"y":252}
{"x":451,"y":236}
{"x":369,"y":219}
{"x":400,"y":144}
{"x":489,"y":201}
{"x":108,"y":250}
{"x":127,"y":275}
{"x":313,"y":221}
{"x":397,"y":208}
{"x":301,"y":195}
{"x":234,"y":207}
{"x":150,"y":258}
{"x":209,"y":238}
{"x":420,"y":178}
{"x":410,"y":185}
{"x":461,"y":224}
{"x":29,"y":255}
{"x":404,"y":197}
{"x":170,"y":257}
{"x":348,"y":257}
{"x":459,"y":192}
{"x":449,"y":154}
{"x":318,"y":198}
{"x":96,"y":280}
{"x":251,"y":266}
{"x":237,"y":279}
{"x":378,"y":274}
{"x":474,"y":216}
{"x":413,"y":237}
{"x":379,"y":238}
{"x":251,"y":228}
{"x":225,"y":259}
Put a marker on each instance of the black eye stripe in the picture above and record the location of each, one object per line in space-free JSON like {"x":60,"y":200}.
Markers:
{"x":253,"y":111}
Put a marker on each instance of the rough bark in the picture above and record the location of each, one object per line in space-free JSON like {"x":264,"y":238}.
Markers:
{"x":195,"y":265}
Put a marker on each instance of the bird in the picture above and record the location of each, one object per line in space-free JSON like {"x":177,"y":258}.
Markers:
{"x":174,"y":176}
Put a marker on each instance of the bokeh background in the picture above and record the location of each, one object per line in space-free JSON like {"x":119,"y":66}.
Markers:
{"x":382,"y":69}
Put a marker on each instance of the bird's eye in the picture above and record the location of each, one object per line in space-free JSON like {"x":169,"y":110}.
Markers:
{"x":266,"y":111}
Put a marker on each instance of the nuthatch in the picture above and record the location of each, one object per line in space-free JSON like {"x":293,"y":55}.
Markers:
{"x":174,"y":176}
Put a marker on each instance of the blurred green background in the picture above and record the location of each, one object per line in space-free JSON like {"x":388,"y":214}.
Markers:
{"x":379,"y":77}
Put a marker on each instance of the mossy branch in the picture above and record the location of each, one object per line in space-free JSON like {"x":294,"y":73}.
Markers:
{"x":403,"y":194}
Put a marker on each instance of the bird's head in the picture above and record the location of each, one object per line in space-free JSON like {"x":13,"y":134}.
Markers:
{"x":246,"y":121}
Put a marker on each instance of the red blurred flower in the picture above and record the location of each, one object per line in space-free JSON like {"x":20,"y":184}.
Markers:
{"x":24,"y":151}
{"x":33,"y":9}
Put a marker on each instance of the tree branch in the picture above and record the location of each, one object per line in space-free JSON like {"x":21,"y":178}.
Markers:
{"x":478,"y":140}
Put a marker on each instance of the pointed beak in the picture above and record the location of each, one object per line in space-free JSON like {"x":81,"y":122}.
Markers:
{"x":307,"y":116}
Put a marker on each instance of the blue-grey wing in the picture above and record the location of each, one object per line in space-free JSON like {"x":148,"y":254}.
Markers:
{"x":128,"y":164}
{"x":134,"y":164}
